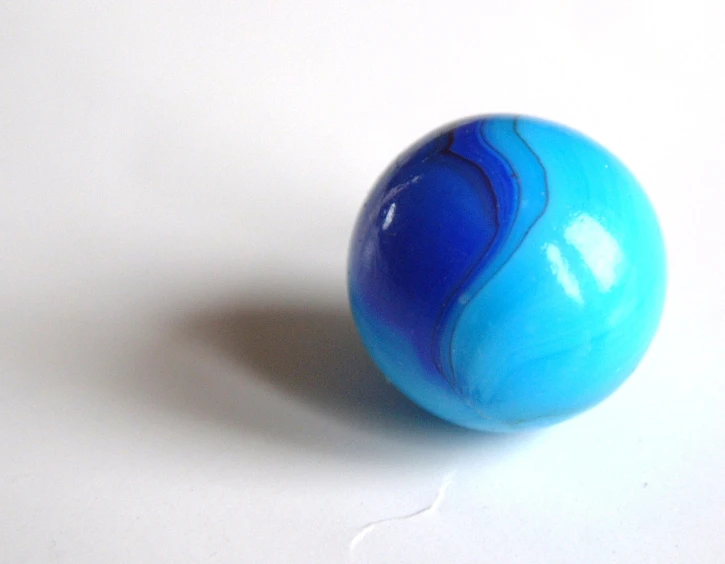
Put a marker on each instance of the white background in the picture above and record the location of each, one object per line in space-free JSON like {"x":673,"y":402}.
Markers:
{"x":180,"y":380}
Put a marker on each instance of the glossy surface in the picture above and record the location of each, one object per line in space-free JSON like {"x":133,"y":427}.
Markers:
{"x":507,"y":273}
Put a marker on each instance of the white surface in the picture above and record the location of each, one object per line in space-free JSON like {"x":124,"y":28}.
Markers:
{"x":179,"y":377}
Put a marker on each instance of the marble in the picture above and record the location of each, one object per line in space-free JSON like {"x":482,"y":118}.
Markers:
{"x":507,"y":273}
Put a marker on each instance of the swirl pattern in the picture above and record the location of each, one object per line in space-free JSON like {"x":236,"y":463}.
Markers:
{"x":507,"y":272}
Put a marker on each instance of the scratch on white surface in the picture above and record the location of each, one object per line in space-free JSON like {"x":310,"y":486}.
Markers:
{"x":432,"y":508}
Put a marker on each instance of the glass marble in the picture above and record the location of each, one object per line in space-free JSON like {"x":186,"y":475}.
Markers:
{"x":507,"y":273}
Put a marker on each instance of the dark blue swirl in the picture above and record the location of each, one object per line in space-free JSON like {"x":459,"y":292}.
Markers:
{"x":459,"y":202}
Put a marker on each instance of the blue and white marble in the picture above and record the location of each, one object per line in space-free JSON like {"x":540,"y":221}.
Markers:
{"x":507,"y":273}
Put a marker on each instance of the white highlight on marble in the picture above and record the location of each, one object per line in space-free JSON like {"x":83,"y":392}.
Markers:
{"x":389,"y":216}
{"x":560,"y":268}
{"x":598,"y":249}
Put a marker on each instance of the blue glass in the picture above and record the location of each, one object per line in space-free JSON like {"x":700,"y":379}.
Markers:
{"x":507,"y":273}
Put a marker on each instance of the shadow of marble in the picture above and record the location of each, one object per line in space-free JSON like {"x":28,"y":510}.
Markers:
{"x":314,"y":354}
{"x":310,"y":354}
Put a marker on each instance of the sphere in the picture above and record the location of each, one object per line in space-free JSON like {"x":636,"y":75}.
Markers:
{"x":507,"y":273}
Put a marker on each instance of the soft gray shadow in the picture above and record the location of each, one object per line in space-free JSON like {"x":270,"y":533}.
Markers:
{"x":312,"y":355}
{"x":315,"y":355}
